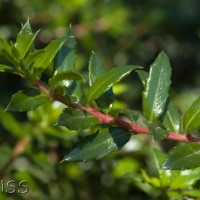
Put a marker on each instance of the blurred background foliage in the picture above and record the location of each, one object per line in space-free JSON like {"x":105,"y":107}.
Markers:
{"x":120,"y":32}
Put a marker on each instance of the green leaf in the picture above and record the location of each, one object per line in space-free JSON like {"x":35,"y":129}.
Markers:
{"x":4,"y":45}
{"x":32,"y":57}
{"x":183,"y":157}
{"x":6,"y":51}
{"x":156,"y":88}
{"x":76,"y":119}
{"x":107,"y":80}
{"x":156,"y":132}
{"x":70,"y":38}
{"x":64,"y":76}
{"x":171,"y":118}
{"x":143,"y":75}
{"x":96,"y":69}
{"x":45,"y":59}
{"x":98,"y":145}
{"x":26,"y":100}
{"x":24,"y":40}
{"x":106,"y":100}
{"x":191,"y":118}
{"x":9,"y":69}
{"x":185,"y":180}
{"x":66,"y":57}
{"x":5,"y":68}
{"x":75,"y":92}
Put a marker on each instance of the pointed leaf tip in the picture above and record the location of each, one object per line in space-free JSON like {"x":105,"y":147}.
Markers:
{"x":107,"y":80}
{"x":26,"y":100}
{"x":156,"y":88}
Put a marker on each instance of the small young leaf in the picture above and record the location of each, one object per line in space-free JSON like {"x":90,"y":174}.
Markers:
{"x":98,"y":145}
{"x":4,"y":45}
{"x":126,"y":113}
{"x":5,"y":68}
{"x":143,"y":75}
{"x":96,"y":69}
{"x":64,"y":76}
{"x":76,"y":119}
{"x":45,"y":59}
{"x":171,"y":118}
{"x":191,"y":118}
{"x":157,"y":133}
{"x":26,"y":100}
{"x":24,"y":40}
{"x":156,"y":88}
{"x":183,"y":157}
{"x":32,"y":57}
{"x":66,"y":57}
{"x":6,"y":51}
{"x":107,"y":80}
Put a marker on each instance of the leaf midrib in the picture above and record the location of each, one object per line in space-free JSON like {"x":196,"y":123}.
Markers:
{"x":104,"y":82}
{"x":152,"y":112}
{"x":191,"y":119}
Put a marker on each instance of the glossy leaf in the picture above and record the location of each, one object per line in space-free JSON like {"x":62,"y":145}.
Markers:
{"x":26,"y":100}
{"x":64,"y":76}
{"x":98,"y":145}
{"x":171,"y":118}
{"x":106,"y":100}
{"x":76,"y":119}
{"x":45,"y":59}
{"x":191,"y":119}
{"x":107,"y":80}
{"x":66,"y":57}
{"x":156,"y":88}
{"x":96,"y":69}
{"x":24,"y":40}
{"x":75,"y":92}
{"x":183,"y":157}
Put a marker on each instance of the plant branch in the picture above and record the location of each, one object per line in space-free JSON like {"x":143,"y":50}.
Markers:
{"x":108,"y":119}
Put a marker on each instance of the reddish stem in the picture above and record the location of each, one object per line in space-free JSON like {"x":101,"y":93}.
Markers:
{"x":108,"y":119}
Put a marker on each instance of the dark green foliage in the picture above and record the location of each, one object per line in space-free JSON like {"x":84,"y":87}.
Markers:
{"x":183,"y":157}
{"x":98,"y":145}
{"x":89,"y":111}
{"x":26,"y":100}
{"x":156,"y":87}
{"x":76,"y":119}
{"x":66,"y":85}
